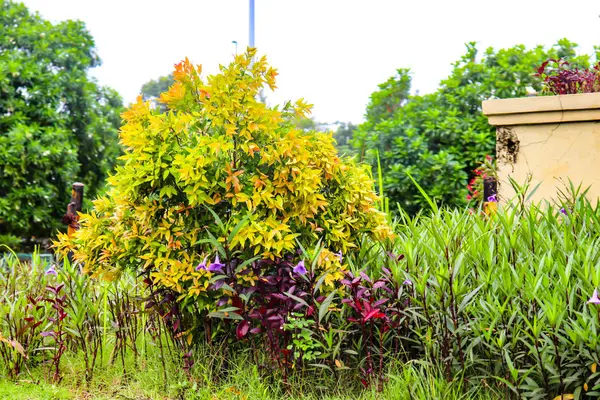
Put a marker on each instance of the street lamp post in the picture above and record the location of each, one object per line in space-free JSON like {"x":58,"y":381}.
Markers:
{"x":251,"y":40}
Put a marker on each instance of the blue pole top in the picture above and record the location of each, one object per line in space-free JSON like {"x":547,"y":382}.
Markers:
{"x":251,"y":41}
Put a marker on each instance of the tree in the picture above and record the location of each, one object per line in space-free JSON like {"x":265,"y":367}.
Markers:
{"x":440,"y":138}
{"x":152,"y":89}
{"x":57,"y":125}
{"x":343,"y":136}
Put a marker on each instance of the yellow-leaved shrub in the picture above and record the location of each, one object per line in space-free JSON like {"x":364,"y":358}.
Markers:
{"x":215,"y":168}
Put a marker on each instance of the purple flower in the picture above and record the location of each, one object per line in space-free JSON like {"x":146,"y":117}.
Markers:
{"x":407,"y":282}
{"x":202,"y":265}
{"x":563,"y":211}
{"x":492,"y":198}
{"x":51,"y":271}
{"x":594,"y":299}
{"x":340,"y":256}
{"x":216,"y":266}
{"x":300,"y":269}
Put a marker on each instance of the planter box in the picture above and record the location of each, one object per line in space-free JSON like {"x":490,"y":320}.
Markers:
{"x":553,"y":138}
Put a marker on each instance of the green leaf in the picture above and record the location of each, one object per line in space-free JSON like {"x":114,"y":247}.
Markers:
{"x":324,"y":307}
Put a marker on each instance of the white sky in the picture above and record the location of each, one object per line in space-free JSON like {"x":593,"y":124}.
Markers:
{"x":333,"y":53}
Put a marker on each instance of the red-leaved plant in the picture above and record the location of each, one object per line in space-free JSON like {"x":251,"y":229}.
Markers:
{"x":560,"y":78}
{"x":475,"y":187}
{"x":376,"y":308}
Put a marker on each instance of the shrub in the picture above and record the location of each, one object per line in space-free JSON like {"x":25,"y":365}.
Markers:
{"x":220,"y":182}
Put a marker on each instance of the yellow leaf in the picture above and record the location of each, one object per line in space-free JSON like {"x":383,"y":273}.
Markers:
{"x":565,"y":397}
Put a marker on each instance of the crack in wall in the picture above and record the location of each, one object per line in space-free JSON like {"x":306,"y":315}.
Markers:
{"x":508,"y":144}
{"x":543,"y":142}
{"x":551,"y":134}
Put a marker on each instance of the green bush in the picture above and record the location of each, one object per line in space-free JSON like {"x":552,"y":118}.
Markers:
{"x":57,"y":126}
{"x":440,"y":138}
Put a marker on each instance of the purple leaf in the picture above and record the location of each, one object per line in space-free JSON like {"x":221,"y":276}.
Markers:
{"x":365,"y":277}
{"x":378,"y":284}
{"x":242,"y":329}
{"x":380,"y":302}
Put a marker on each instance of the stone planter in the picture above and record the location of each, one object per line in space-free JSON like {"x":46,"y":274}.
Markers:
{"x":553,"y":138}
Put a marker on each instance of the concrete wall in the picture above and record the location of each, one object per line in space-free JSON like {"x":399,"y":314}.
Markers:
{"x":554,"y":138}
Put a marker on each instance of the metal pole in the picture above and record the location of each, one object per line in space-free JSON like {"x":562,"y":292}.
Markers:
{"x":251,"y":41}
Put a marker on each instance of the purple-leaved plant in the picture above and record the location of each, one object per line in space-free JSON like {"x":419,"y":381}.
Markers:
{"x":559,"y":78}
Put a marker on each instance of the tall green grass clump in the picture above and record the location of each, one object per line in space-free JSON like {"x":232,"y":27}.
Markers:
{"x":508,"y":300}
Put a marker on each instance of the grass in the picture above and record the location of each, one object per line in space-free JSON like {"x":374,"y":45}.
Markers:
{"x":410,"y":381}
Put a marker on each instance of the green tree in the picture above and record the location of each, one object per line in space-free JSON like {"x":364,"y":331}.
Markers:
{"x":392,"y":94}
{"x":440,"y":138}
{"x":152,"y":89}
{"x":343,"y":136}
{"x":57,"y":125}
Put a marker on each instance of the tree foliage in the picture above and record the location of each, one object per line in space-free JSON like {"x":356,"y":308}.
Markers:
{"x":57,"y":125}
{"x":152,"y":89}
{"x":223,"y":174}
{"x":440,"y":138}
{"x":343,"y":136}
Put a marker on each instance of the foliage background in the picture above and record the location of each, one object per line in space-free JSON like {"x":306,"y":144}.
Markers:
{"x":440,"y":138}
{"x":57,"y":125}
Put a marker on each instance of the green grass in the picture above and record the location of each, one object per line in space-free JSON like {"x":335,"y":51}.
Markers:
{"x":411,"y":381}
{"x":24,"y":390}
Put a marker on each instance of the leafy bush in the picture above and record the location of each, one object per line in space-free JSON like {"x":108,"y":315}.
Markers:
{"x":559,"y":78}
{"x":57,"y":126}
{"x":440,"y":138}
{"x":223,"y":175}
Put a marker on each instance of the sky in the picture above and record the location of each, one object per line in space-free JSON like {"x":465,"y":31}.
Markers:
{"x":332,"y":53}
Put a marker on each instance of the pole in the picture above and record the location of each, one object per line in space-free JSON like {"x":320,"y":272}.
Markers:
{"x":71,"y":218}
{"x":251,"y":40}
{"x":490,"y":195}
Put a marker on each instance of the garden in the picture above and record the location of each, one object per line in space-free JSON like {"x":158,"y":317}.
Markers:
{"x":227,"y":250}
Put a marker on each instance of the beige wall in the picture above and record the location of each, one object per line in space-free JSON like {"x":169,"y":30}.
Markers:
{"x":552,"y":153}
{"x":553,"y":138}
